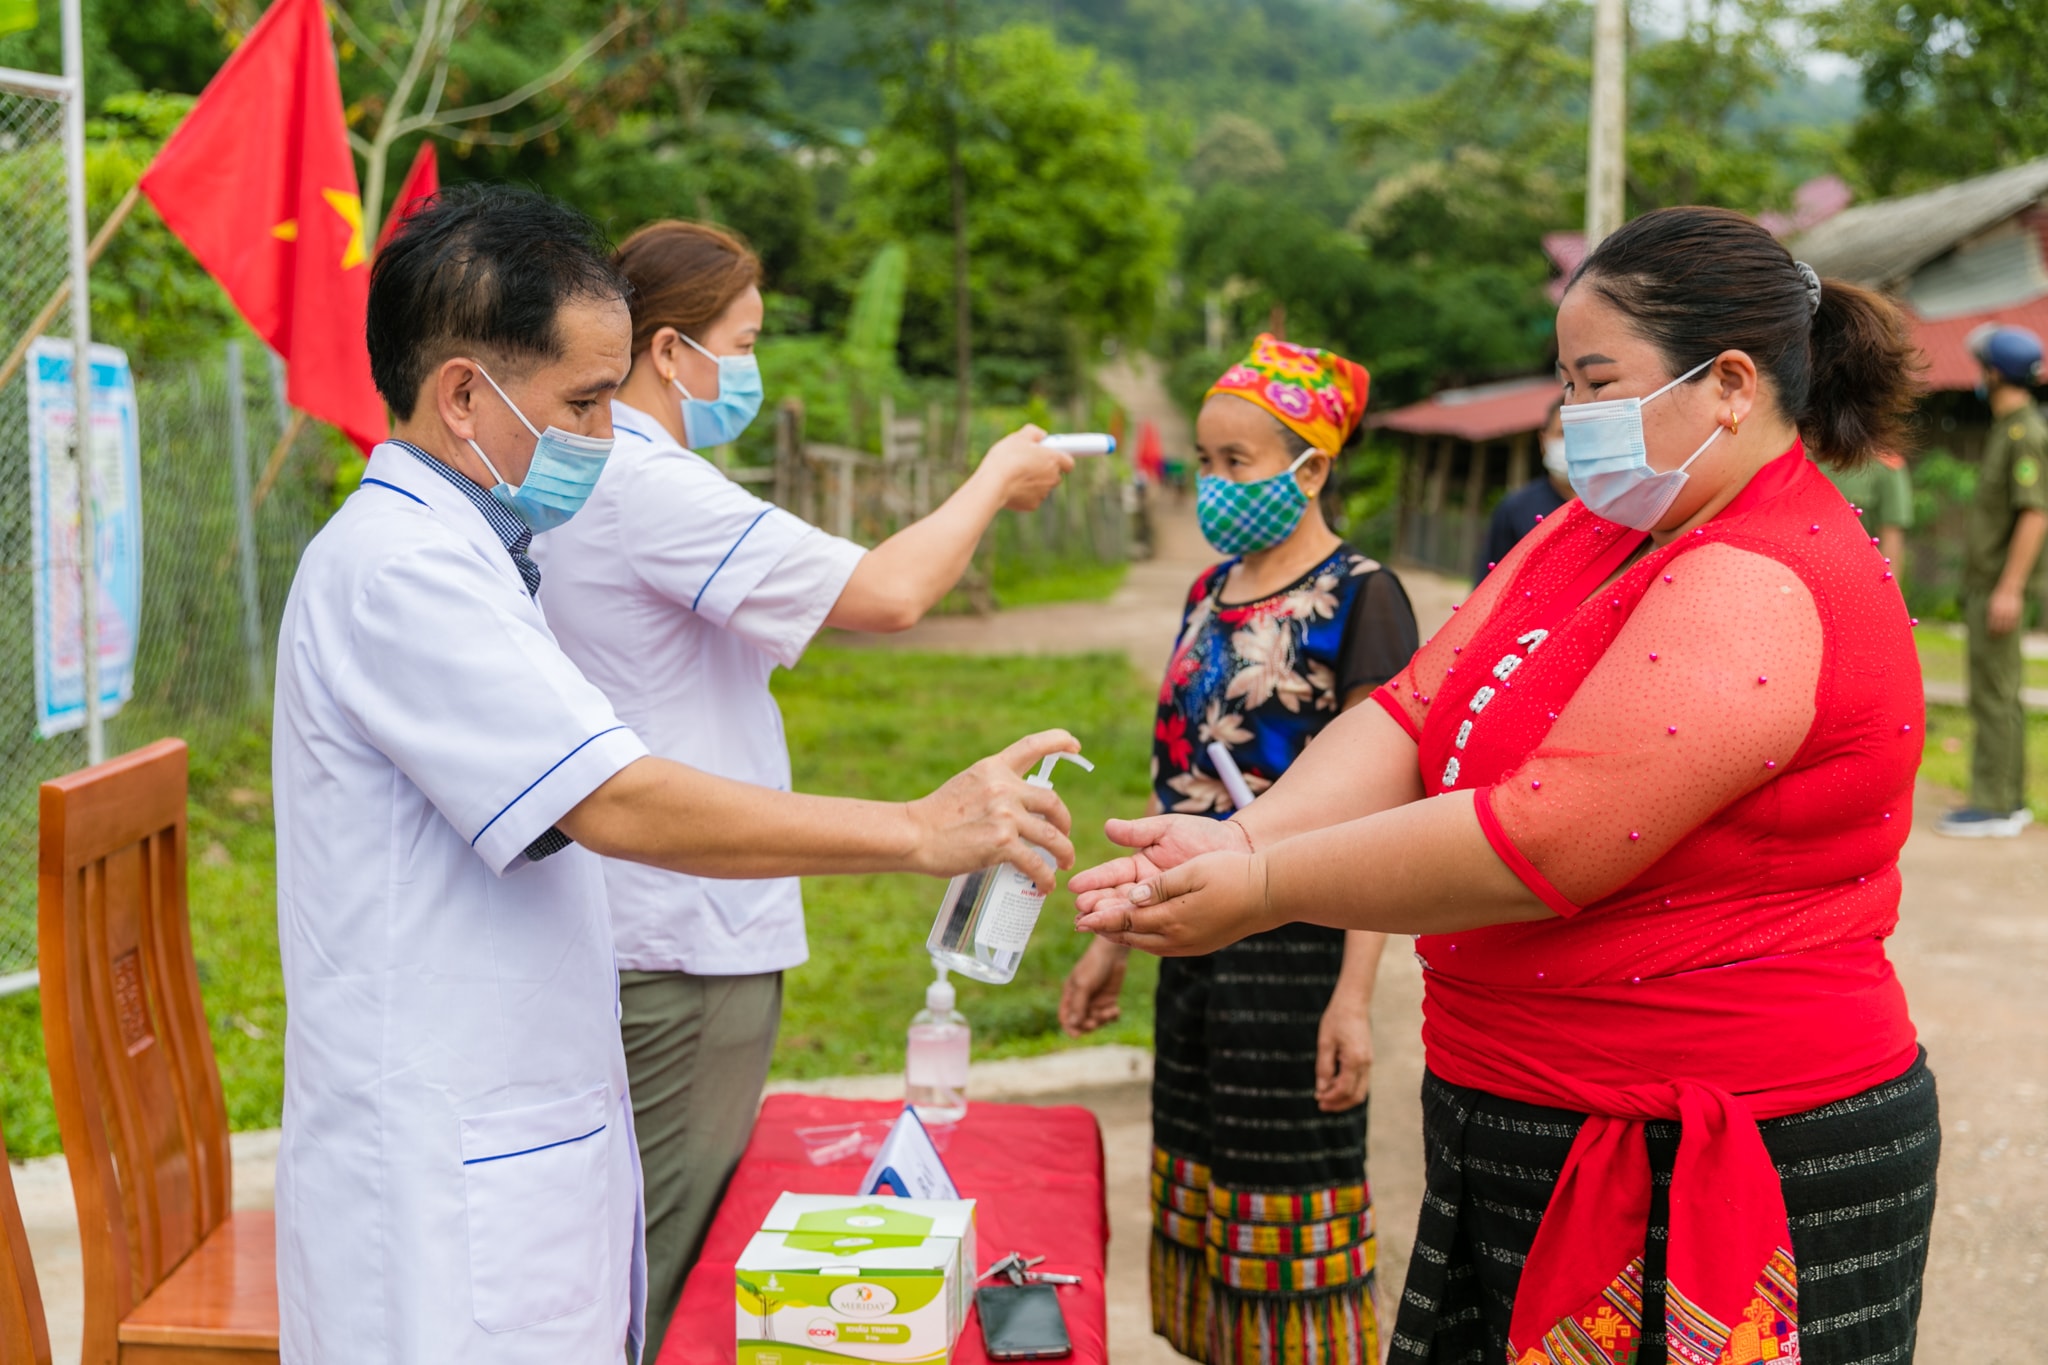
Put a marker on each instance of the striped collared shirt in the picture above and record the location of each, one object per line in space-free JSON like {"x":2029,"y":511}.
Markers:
{"x":516,"y":534}
{"x":518,"y":538}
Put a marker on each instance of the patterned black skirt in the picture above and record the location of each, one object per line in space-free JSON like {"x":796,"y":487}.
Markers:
{"x":1262,"y":1231}
{"x":1858,"y":1177}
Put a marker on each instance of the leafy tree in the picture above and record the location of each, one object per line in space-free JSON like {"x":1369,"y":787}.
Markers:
{"x":1951,"y":87}
{"x":1069,"y":227}
{"x":1443,"y":282}
{"x":130,"y":46}
{"x":1692,"y":134}
{"x":1235,"y":150}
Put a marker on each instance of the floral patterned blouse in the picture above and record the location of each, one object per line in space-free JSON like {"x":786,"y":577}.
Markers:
{"x":1266,"y":676}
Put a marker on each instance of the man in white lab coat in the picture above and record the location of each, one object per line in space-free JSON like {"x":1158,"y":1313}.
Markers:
{"x":457,"y":1181}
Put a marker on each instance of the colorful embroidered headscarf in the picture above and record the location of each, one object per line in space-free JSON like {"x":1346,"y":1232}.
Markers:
{"x":1318,"y":395}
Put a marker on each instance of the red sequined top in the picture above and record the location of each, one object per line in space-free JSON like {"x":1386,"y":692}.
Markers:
{"x":1708,"y":761}
{"x":1706,"y":768}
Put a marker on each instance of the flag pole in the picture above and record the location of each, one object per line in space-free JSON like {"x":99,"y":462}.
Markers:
{"x":81,"y":377}
{"x":274,"y":466}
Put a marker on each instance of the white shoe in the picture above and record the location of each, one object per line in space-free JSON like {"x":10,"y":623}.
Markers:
{"x":1971,"y":823}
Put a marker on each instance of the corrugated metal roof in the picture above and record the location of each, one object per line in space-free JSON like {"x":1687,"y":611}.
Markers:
{"x":1485,"y":413}
{"x":1882,"y":243}
{"x":1949,"y":365}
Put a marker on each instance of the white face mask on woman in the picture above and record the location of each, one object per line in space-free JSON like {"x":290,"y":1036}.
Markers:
{"x":1609,"y":465}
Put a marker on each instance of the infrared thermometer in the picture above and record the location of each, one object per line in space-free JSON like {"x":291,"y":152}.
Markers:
{"x":1082,"y":443}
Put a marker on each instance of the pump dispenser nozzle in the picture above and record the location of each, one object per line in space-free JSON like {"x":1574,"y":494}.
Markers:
{"x":1043,"y":777}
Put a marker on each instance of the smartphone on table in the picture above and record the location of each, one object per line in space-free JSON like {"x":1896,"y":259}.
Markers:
{"x":1023,"y":1322}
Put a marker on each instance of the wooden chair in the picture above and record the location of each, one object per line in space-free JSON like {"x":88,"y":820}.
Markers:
{"x":172,"y":1275}
{"x":24,"y":1336}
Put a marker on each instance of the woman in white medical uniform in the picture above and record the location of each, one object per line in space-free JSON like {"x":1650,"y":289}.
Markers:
{"x":678,"y":593}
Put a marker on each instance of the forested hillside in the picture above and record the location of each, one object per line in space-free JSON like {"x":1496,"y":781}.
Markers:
{"x":1169,"y":174}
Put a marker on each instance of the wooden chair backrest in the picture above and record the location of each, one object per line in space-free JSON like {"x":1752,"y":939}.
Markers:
{"x":24,"y":1336}
{"x":132,"y":1067}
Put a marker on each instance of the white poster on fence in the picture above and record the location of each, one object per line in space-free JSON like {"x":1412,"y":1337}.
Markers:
{"x":53,"y":519}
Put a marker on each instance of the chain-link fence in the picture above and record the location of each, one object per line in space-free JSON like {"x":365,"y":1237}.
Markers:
{"x":33,"y":261}
{"x":213,"y":586}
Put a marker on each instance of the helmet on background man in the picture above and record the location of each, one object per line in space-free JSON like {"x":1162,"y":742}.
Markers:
{"x":2014,"y":352}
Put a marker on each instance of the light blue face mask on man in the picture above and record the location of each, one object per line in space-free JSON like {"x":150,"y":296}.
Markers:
{"x":1609,"y":466}
{"x":714,"y":421}
{"x":559,"y":481}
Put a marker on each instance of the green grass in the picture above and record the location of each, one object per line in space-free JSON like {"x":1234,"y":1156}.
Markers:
{"x":878,"y":723}
{"x":1028,"y":585}
{"x":1018,"y":582}
{"x":1947,"y":759}
{"x":861,"y":723}
{"x":1942,"y":657}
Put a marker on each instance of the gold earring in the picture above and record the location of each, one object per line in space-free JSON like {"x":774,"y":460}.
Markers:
{"x":1734,"y":425}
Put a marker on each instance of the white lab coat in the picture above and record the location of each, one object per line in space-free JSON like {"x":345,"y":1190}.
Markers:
{"x":678,"y":592}
{"x":458,"y":1180}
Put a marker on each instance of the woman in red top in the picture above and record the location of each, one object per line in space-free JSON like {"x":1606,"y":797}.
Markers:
{"x":1641,"y":801}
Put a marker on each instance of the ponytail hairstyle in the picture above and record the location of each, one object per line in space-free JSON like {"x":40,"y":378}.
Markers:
{"x":1695,"y":282}
{"x":684,"y":275}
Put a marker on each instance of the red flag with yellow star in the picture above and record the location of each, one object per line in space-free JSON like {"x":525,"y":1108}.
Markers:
{"x":421,"y":184}
{"x":259,"y":184}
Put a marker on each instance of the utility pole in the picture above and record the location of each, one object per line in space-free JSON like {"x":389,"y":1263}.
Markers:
{"x":1607,"y":131}
{"x":963,"y":301}
{"x":72,"y":26}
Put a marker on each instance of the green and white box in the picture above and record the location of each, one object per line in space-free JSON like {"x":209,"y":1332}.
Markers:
{"x":836,"y":1278}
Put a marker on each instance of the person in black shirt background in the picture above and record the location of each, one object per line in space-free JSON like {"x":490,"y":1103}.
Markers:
{"x":1520,"y":510}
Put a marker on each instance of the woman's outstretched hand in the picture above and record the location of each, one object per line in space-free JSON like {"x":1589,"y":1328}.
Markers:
{"x":1161,"y":842}
{"x":1088,"y":1000}
{"x":1202,"y":905}
{"x":1344,"y":1053}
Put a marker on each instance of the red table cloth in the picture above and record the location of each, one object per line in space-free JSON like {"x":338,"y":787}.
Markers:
{"x":1035,"y":1174}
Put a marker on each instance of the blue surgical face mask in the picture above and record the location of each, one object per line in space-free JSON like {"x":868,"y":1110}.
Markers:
{"x":1244,"y":518}
{"x":1609,"y":466}
{"x":715,"y":421}
{"x":559,"y":481}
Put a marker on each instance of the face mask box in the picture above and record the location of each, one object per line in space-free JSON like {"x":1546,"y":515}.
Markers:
{"x":836,"y":1278}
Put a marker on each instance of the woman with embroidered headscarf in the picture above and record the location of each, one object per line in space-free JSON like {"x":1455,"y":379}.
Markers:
{"x":1642,"y":802}
{"x":1262,"y":1242}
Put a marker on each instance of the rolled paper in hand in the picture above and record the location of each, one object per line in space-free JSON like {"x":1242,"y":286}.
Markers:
{"x":1233,"y":777}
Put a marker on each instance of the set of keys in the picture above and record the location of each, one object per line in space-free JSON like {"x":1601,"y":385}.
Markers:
{"x":1017,"y":1267}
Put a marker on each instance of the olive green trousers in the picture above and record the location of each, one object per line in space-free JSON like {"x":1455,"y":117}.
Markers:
{"x":697,"y":1053}
{"x":1998,"y":761}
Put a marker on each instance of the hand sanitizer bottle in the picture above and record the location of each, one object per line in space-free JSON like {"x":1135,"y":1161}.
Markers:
{"x":935,"y":1063}
{"x":987,"y":917}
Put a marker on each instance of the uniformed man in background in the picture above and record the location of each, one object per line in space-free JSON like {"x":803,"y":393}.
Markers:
{"x":1881,"y":491}
{"x":2008,"y":522}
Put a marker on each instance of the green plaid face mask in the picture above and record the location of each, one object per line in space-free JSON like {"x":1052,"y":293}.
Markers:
{"x":1244,"y":518}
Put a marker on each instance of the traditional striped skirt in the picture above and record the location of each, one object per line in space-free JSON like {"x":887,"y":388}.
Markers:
{"x":1262,"y":1229}
{"x":1858,"y":1177}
